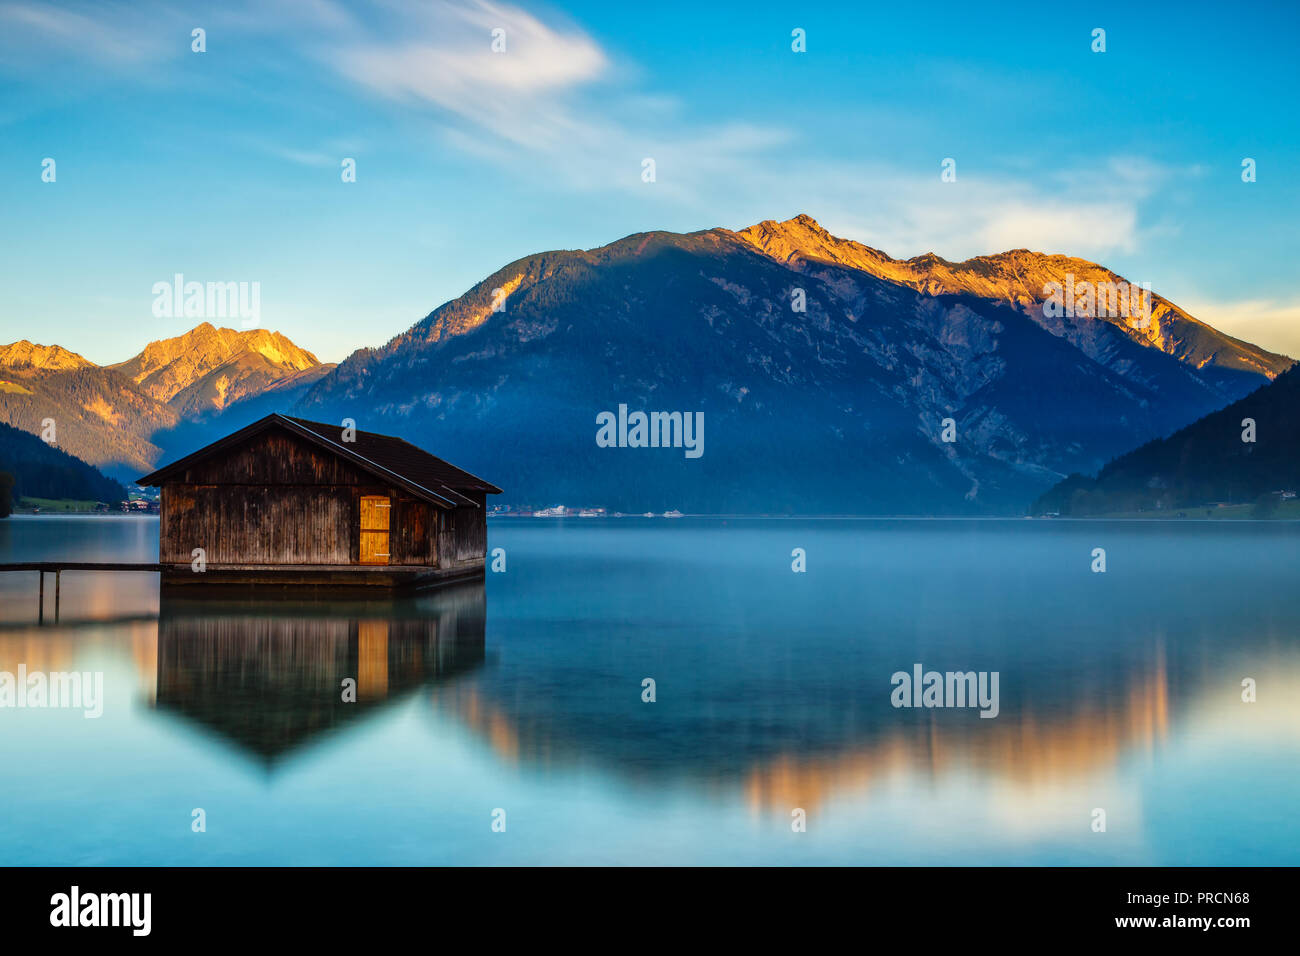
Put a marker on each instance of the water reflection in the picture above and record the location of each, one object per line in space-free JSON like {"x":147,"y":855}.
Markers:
{"x":266,"y":675}
{"x":269,"y":674}
{"x":1058,"y":734}
{"x":1122,"y":692}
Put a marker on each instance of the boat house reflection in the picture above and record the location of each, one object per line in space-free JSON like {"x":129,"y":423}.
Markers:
{"x":268,"y":674}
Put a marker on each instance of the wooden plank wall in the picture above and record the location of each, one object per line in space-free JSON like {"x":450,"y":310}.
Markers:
{"x":413,"y":532}
{"x":244,"y":524}
{"x":275,"y":458}
{"x":280,"y":500}
{"x":463,"y":539}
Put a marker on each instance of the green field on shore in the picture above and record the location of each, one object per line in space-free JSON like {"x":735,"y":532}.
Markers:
{"x":1288,"y":510}
{"x":68,"y":505}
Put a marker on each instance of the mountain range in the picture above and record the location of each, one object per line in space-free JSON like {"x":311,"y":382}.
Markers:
{"x":1019,"y":278}
{"x":121,"y":417}
{"x":828,"y":374}
{"x":206,"y":370}
{"x":39,"y":470}
{"x":1236,"y":455}
{"x":838,"y":408}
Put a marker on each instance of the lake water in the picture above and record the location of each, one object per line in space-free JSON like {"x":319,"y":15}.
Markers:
{"x":1119,"y":691}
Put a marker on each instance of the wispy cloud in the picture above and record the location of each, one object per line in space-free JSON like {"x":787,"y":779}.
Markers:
{"x":303,"y":157}
{"x":559,"y":111}
{"x":548,"y":109}
{"x":445,"y":57}
{"x":122,"y":36}
{"x":1270,"y":323}
{"x":907,"y":211}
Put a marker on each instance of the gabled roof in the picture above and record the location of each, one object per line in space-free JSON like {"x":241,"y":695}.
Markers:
{"x":383,"y":456}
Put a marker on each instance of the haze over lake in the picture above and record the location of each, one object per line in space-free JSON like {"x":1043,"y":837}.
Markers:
{"x":1120,"y":691}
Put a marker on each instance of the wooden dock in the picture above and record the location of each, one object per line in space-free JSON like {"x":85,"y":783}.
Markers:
{"x":346,"y":578}
{"x":58,"y":567}
{"x":333,"y":578}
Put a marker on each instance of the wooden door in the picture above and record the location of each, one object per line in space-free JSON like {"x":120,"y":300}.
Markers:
{"x":374,"y":529}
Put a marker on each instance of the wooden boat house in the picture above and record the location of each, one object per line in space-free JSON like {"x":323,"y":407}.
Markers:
{"x":290,"y":503}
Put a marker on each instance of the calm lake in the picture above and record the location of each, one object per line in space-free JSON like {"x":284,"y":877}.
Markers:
{"x":1118,"y":691}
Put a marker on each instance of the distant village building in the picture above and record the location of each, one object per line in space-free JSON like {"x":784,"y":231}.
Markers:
{"x":289,"y":502}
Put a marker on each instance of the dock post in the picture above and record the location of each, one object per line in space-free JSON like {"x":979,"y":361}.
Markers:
{"x":40,"y":615}
{"x":56,"y":596}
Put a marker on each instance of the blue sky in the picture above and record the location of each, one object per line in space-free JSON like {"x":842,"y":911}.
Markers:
{"x":225,"y":165}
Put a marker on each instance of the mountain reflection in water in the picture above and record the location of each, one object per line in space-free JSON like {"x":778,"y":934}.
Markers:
{"x":1119,"y":691}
